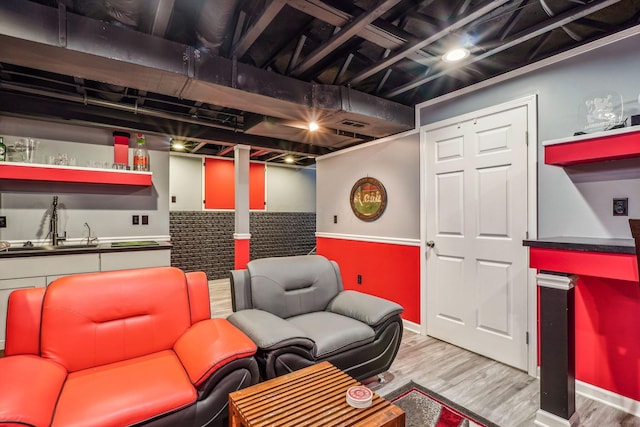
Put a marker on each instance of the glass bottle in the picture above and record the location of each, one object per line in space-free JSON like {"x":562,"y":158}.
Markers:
{"x":3,"y":151}
{"x":140,"y":154}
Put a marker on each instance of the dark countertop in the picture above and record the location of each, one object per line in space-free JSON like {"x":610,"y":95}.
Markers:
{"x":586,"y":244}
{"x":19,"y":252}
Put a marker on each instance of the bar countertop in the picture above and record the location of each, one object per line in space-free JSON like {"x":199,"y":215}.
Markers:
{"x":75,"y":249}
{"x":585,"y":244}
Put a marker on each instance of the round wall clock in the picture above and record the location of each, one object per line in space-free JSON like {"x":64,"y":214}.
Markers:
{"x":368,"y":199}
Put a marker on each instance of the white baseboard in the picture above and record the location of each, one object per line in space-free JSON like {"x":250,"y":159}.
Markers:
{"x":547,"y":419}
{"x":411,"y":326}
{"x":609,"y":398}
{"x":606,"y":397}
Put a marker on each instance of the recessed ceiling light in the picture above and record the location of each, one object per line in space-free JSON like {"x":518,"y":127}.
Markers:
{"x":456,"y":54}
{"x":289,"y":159}
{"x":179,"y":146}
{"x":313,"y":126}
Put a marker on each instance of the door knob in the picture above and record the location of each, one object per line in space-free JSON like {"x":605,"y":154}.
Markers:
{"x":431,"y":243}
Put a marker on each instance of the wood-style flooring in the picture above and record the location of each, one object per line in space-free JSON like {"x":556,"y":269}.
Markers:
{"x":503,"y":395}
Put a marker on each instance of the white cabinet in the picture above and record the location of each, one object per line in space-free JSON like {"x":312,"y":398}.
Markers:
{"x":139,"y":259}
{"x":48,"y":265}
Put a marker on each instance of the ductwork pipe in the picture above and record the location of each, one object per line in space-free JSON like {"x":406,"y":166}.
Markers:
{"x":216,"y":17}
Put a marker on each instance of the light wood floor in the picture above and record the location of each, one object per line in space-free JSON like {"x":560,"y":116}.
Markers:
{"x":504,"y":395}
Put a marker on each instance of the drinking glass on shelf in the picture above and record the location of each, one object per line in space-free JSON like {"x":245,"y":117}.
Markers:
{"x":30,"y":148}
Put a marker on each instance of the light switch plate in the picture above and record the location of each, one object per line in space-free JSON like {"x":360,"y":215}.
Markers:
{"x":621,"y":207}
{"x":3,"y":222}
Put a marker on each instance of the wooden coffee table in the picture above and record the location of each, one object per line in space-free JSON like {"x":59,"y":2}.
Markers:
{"x":313,"y":396}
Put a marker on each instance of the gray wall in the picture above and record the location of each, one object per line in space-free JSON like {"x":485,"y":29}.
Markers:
{"x":394,"y":161}
{"x":106,"y":208}
{"x":291,"y":189}
{"x":569,"y":203}
{"x":185,"y":182}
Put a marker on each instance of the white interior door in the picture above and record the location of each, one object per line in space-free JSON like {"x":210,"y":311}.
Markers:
{"x":476,"y":209}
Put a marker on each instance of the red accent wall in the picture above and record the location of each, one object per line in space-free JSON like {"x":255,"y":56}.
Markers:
{"x":608,"y":334}
{"x":388,"y":270}
{"x":219,"y":184}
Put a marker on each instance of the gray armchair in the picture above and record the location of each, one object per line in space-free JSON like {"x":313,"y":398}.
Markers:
{"x":297,"y":312}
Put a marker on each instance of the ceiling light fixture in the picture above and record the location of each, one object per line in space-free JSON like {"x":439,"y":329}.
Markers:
{"x":179,"y":146}
{"x":455,"y":55}
{"x":313,"y":126}
{"x":289,"y":159}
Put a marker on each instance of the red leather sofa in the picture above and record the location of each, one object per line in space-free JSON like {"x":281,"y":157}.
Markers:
{"x":122,"y":348}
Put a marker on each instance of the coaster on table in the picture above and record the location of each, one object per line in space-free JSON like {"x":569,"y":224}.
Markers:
{"x":359,"y":396}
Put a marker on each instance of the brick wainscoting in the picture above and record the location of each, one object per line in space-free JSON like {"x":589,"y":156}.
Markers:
{"x":203,"y":241}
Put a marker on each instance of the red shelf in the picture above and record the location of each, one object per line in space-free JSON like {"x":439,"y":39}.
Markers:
{"x":603,"y":146}
{"x":49,"y":173}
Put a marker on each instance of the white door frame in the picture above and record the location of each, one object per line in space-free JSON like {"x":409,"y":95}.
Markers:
{"x":532,"y":213}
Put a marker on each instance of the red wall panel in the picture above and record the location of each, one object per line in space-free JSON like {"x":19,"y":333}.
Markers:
{"x":389,"y":271}
{"x":608,"y":334}
{"x":219,"y":184}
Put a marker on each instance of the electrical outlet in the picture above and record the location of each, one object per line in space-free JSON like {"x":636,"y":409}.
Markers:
{"x":145,"y":219}
{"x":3,"y":222}
{"x":359,"y":279}
{"x":335,"y":219}
{"x":135,"y":219}
{"x":621,"y":207}
{"x":173,"y":199}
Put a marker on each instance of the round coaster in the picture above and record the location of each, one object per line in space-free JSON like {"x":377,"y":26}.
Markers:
{"x":359,"y":396}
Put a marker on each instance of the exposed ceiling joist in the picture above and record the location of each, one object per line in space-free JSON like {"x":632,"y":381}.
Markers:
{"x":352,"y":28}
{"x":264,"y":19}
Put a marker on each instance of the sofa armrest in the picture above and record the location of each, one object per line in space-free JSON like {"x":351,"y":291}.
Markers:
{"x":269,"y":331}
{"x":199,"y":301}
{"x":240,"y":289}
{"x":24,"y":314}
{"x":366,"y":308}
{"x":209,"y":345}
{"x":30,"y":390}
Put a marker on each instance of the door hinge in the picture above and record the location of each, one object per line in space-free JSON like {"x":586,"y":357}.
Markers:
{"x":526,"y":338}
{"x":526,"y":235}
{"x":526,"y":137}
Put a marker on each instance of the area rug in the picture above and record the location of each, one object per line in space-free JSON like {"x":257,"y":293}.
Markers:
{"x":425,"y":408}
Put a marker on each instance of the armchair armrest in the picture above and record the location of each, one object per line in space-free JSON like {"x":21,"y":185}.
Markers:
{"x":366,"y":308}
{"x":30,"y":391}
{"x":209,"y":345}
{"x":269,"y":331}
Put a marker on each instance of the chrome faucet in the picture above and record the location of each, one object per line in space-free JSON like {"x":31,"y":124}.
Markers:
{"x":90,"y":238}
{"x":53,"y":224}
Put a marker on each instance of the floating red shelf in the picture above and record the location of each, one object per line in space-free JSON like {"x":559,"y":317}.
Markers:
{"x":36,"y":172}
{"x":603,"y":146}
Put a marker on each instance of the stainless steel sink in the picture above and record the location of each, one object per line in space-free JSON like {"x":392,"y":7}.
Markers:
{"x":50,"y":247}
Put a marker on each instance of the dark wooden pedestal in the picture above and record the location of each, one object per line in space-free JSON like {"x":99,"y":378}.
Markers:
{"x":557,"y":351}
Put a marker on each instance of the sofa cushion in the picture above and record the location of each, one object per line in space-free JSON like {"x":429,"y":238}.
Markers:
{"x":30,"y":389}
{"x":289,"y":286}
{"x":100,"y":318}
{"x":125,"y":393}
{"x":332,"y":332}
{"x":269,"y":331}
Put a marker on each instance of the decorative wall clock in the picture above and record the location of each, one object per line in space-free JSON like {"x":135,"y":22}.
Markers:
{"x":368,"y":199}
